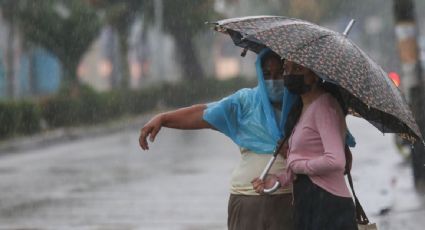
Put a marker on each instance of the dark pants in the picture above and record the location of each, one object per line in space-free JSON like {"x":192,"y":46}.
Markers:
{"x":264,"y":212}
{"x":317,"y":209}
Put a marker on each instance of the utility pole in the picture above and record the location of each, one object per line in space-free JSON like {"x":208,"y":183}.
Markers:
{"x":412,"y":83}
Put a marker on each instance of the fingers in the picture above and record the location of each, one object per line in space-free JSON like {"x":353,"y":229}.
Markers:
{"x":154,"y":133}
{"x":142,"y":139}
{"x":258,"y":185}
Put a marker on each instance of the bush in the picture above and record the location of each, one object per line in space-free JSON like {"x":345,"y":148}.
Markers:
{"x":88,"y":106}
{"x":19,"y":118}
{"x":60,"y":111}
{"x":29,"y":118}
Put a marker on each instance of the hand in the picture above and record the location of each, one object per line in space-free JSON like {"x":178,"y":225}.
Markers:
{"x":150,"y":129}
{"x":259,"y":185}
{"x":286,"y":178}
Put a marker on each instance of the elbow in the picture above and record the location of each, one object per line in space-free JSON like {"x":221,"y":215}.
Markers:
{"x":335,"y":163}
{"x":339,"y":165}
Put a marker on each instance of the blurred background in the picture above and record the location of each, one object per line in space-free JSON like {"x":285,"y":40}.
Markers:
{"x":79,"y":78}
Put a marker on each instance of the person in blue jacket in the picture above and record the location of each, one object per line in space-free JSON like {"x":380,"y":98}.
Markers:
{"x":254,"y":118}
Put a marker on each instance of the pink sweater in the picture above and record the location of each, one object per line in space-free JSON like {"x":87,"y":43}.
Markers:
{"x":316,"y":146}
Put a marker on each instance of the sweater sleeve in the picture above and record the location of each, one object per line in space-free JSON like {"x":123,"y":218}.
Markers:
{"x":285,"y":178}
{"x":330,"y":124}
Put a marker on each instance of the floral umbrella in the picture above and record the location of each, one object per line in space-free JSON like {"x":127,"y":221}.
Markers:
{"x":362,"y":83}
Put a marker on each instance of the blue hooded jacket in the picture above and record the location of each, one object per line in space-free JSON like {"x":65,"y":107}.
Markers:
{"x":247,"y":116}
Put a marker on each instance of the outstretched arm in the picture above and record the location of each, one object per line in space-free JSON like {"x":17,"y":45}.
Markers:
{"x":184,"y":118}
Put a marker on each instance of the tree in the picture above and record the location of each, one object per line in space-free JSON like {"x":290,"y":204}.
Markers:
{"x":120,"y":15}
{"x":9,"y":12}
{"x":183,"y":20}
{"x":65,"y":28}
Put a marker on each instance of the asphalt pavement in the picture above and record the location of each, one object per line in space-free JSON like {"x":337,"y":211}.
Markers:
{"x":98,"y":178}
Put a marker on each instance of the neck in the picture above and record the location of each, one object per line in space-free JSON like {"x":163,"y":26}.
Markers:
{"x":312,"y":95}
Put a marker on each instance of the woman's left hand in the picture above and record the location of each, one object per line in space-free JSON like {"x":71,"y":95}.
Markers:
{"x":259,"y":185}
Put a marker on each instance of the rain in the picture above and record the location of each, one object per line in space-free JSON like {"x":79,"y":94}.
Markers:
{"x":80,"y":79}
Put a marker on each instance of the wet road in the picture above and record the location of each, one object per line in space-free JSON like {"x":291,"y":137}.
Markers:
{"x":107,"y":182}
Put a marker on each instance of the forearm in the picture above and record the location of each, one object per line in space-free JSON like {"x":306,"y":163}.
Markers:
{"x":185,"y":118}
{"x":318,"y":166}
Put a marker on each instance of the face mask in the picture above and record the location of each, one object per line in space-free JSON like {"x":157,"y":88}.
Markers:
{"x":295,"y":84}
{"x":275,"y":89}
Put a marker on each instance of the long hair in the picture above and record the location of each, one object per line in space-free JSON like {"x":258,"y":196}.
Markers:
{"x":295,"y":112}
{"x":293,"y":117}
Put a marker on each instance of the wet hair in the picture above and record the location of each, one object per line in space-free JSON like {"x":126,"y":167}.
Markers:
{"x":270,"y":55}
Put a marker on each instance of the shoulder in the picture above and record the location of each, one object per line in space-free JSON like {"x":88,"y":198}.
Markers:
{"x":244,"y":95}
{"x":234,"y":101}
{"x":238,"y":95}
{"x":327,"y":106}
{"x":244,"y":92}
{"x":327,"y":99}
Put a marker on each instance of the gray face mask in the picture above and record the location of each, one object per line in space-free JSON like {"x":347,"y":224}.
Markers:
{"x":275,"y":89}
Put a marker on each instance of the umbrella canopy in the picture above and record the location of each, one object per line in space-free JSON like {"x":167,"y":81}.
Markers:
{"x":363,"y":84}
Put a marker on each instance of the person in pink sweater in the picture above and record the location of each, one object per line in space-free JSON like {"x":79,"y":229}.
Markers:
{"x":315,"y":154}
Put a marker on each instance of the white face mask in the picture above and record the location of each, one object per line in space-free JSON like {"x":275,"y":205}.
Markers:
{"x":275,"y":89}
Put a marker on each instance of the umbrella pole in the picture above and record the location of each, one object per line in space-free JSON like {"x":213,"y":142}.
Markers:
{"x":268,"y":167}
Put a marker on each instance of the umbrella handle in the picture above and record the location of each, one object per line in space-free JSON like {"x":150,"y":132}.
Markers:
{"x":275,"y":187}
{"x":264,"y":174}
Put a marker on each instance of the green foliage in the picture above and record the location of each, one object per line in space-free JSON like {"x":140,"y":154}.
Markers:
{"x":29,"y":117}
{"x":183,"y":20}
{"x":90,"y":107}
{"x":66,"y":28}
{"x":65,"y":110}
{"x":19,"y":118}
{"x":120,"y":15}
{"x":187,"y":16}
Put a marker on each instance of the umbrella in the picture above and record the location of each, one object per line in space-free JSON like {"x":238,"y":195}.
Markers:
{"x":362,"y":83}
